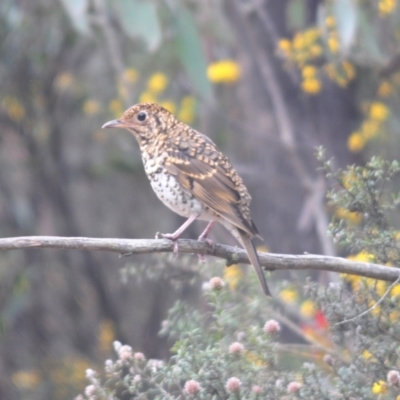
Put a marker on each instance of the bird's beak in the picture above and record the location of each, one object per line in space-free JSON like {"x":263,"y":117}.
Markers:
{"x":115,"y":123}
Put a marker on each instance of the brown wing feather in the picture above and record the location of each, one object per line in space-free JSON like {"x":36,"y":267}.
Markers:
{"x":211,"y":184}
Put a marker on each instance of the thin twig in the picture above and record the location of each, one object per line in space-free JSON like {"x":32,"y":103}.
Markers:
{"x":374,"y":306}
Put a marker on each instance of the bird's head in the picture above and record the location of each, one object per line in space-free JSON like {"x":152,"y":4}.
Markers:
{"x":144,"y":120}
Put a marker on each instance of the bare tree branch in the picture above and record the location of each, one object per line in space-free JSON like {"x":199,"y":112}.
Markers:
{"x":231,"y":254}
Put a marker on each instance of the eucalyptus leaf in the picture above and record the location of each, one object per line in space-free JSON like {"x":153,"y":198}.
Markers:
{"x":346,"y":15}
{"x":191,"y":53}
{"x":139,"y":19}
{"x":296,"y":14}
{"x":76,"y":10}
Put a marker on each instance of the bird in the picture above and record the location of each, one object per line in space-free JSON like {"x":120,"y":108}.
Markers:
{"x":191,"y":176}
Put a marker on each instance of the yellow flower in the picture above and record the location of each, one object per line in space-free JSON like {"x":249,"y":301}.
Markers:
{"x":116,"y":107}
{"x":285,"y":46}
{"x":370,"y":128}
{"x":356,"y":142}
{"x":366,"y":354}
{"x":378,"y":111}
{"x":311,"y":85}
{"x":381,"y":287}
{"x":354,"y":217}
{"x":362,"y":256}
{"x":333,"y":44}
{"x":386,"y":7}
{"x":187,"y":110}
{"x":157,"y":82}
{"x":106,"y":335}
{"x":356,"y":284}
{"x":263,"y":248}
{"x":130,"y":75}
{"x":289,"y":296}
{"x":316,"y":50}
{"x":169,"y":105}
{"x":185,"y":115}
{"x":299,"y":42}
{"x":147,"y":97}
{"x":349,"y":179}
{"x":394,"y":316}
{"x":311,"y":35}
{"x":26,"y":379}
{"x":233,"y":275}
{"x":309,"y":71}
{"x":254,"y":358}
{"x":395,"y":292}
{"x":14,"y":108}
{"x":308,"y":309}
{"x":330,"y":21}
{"x":223,"y":71}
{"x":188,"y":102}
{"x":385,"y":89}
{"x":379,"y":387}
{"x":63,"y":81}
{"x":91,"y":107}
{"x":349,"y":70}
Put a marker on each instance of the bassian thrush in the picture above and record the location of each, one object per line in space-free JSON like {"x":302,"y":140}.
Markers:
{"x":191,"y":176}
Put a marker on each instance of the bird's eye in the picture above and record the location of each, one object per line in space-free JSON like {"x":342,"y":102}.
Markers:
{"x":141,"y":116}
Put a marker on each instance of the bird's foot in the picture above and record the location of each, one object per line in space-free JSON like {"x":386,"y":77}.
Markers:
{"x":202,"y":257}
{"x":169,"y":236}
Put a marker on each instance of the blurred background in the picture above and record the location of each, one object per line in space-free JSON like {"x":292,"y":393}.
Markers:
{"x":267,"y":81}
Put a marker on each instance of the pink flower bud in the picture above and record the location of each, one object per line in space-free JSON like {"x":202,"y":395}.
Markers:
{"x":125,"y":353}
{"x":233,"y":385}
{"x":293,"y":387}
{"x":108,"y":366}
{"x":216,"y":283}
{"x":236,"y":348}
{"x":256,"y":389}
{"x":192,"y":387}
{"x":272,"y":326}
{"x":90,"y":390}
{"x":393,"y":377}
{"x":139,"y":356}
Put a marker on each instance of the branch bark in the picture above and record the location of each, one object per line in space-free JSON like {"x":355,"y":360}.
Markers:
{"x":230,"y":254}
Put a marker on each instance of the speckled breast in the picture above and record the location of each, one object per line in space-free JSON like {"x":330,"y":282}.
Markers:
{"x":169,"y":191}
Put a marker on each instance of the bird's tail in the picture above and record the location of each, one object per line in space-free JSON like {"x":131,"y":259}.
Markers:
{"x":252,"y":253}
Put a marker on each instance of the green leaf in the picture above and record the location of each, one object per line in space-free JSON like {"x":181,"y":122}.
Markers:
{"x":296,"y":14}
{"x":191,"y":53}
{"x":346,"y":15}
{"x":139,"y":19}
{"x":76,"y":10}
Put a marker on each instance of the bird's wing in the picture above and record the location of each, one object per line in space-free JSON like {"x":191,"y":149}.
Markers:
{"x":206,"y":173}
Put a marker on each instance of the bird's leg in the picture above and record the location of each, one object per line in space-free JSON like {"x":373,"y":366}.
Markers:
{"x":203,"y":237}
{"x":175,"y":236}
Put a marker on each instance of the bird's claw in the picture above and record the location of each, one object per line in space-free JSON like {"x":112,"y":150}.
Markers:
{"x":169,"y":236}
